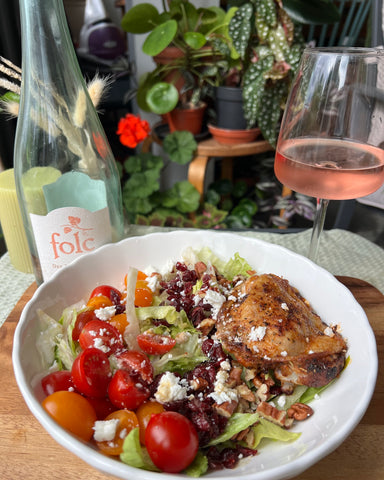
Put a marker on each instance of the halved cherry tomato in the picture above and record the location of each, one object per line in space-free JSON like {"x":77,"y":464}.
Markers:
{"x":144,"y":414}
{"x":81,"y":320}
{"x":72,"y":411}
{"x":143,"y":294}
{"x":100,"y":301}
{"x":107,"y":291}
{"x":120,"y":322}
{"x":127,"y":422}
{"x":154,"y":344}
{"x":56,"y":381}
{"x":125,"y":391}
{"x":171,"y":440}
{"x":91,"y":372}
{"x":100,"y":334}
{"x":136,"y":363}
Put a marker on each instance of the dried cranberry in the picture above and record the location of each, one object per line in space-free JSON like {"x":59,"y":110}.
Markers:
{"x":227,"y":457}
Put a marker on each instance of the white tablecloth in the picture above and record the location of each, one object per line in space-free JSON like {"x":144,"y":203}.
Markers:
{"x":341,"y":253}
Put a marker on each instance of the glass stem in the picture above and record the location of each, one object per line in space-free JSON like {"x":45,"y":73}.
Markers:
{"x":318,"y":224}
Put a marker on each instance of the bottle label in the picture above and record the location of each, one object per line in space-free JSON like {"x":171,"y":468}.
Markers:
{"x":66,"y":233}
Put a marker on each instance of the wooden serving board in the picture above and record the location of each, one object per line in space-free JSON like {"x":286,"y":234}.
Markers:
{"x":28,"y":452}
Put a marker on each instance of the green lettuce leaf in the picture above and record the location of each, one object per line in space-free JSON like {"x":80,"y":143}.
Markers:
{"x":182,"y":358}
{"x":178,"y":321}
{"x":236,"y":423}
{"x":134,"y":454}
{"x":198,"y":467}
{"x":46,"y":342}
{"x":266,"y":429}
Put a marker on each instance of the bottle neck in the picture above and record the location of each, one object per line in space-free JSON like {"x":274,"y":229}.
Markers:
{"x":47,"y":50}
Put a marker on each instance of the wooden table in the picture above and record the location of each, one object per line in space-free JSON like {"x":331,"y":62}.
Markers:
{"x":28,"y":452}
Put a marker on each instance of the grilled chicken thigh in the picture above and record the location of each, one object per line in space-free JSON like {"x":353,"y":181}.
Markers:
{"x":266,"y":324}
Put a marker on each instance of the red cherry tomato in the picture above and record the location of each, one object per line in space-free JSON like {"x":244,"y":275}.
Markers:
{"x":153,"y":344}
{"x":72,"y":411}
{"x":91,"y":372}
{"x":125,"y":391}
{"x":136,"y":362}
{"x":171,"y":441}
{"x":81,"y":320}
{"x":103,"y":406}
{"x":57,"y":381}
{"x":107,"y":291}
{"x":100,"y":334}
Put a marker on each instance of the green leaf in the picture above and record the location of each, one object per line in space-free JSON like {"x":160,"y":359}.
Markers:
{"x":240,"y":28}
{"x":142,"y":184}
{"x":134,"y":454}
{"x":270,"y":111}
{"x":266,"y":429}
{"x":236,"y":423}
{"x":198,"y":467}
{"x":180,"y":146}
{"x":140,"y":19}
{"x":162,"y":98}
{"x":312,"y":11}
{"x":143,"y":162}
{"x":183,"y":196}
{"x":195,"y":40}
{"x":160,"y":38}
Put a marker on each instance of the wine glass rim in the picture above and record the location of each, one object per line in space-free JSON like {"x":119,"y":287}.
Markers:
{"x":373,"y":51}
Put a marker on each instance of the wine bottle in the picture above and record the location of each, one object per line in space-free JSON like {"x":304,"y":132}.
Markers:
{"x":66,"y":177}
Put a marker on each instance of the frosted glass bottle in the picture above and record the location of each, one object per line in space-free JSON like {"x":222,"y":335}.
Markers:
{"x":66,"y":177}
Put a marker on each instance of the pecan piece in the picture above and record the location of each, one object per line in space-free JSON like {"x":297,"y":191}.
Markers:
{"x":225,"y":409}
{"x":271,"y":413}
{"x":206,"y":325}
{"x":198,"y":383}
{"x":299,"y":411}
{"x":234,"y":377}
{"x":246,"y":393}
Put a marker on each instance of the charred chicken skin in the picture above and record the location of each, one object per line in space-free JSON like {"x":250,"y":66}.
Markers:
{"x":267,"y":325}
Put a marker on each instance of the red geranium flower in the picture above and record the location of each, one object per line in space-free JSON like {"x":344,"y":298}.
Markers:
{"x":132,"y":130}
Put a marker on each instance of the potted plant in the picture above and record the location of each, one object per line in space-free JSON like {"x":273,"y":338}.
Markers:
{"x":180,"y":40}
{"x":262,"y":52}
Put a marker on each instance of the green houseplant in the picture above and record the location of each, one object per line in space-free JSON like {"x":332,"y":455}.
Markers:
{"x":188,"y":32}
{"x":261,"y":52}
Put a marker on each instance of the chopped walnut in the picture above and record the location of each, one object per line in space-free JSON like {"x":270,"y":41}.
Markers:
{"x":271,"y":413}
{"x":200,"y":268}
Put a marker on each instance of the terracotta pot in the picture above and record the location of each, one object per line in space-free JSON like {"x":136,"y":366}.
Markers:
{"x":233,"y":137}
{"x":190,"y":119}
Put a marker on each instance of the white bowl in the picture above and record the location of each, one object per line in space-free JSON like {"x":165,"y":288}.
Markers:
{"x":337,"y":411}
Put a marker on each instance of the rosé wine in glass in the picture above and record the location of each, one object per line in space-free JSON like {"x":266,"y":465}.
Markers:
{"x":331,"y":141}
{"x":332,"y":169}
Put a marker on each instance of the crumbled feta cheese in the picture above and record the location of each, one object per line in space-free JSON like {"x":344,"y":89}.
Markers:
{"x":281,"y":401}
{"x":98,"y":343}
{"x":105,"y":430}
{"x":284,"y":306}
{"x":105,"y":313}
{"x":284,"y":353}
{"x":215,"y":299}
{"x":153,"y":283}
{"x":225,"y":365}
{"x":171,"y":388}
{"x":257,"y":333}
{"x":222,"y":393}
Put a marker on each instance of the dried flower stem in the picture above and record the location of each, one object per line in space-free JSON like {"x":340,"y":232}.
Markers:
{"x":10,"y":86}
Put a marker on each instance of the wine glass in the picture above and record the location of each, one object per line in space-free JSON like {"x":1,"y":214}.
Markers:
{"x":331,"y":139}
